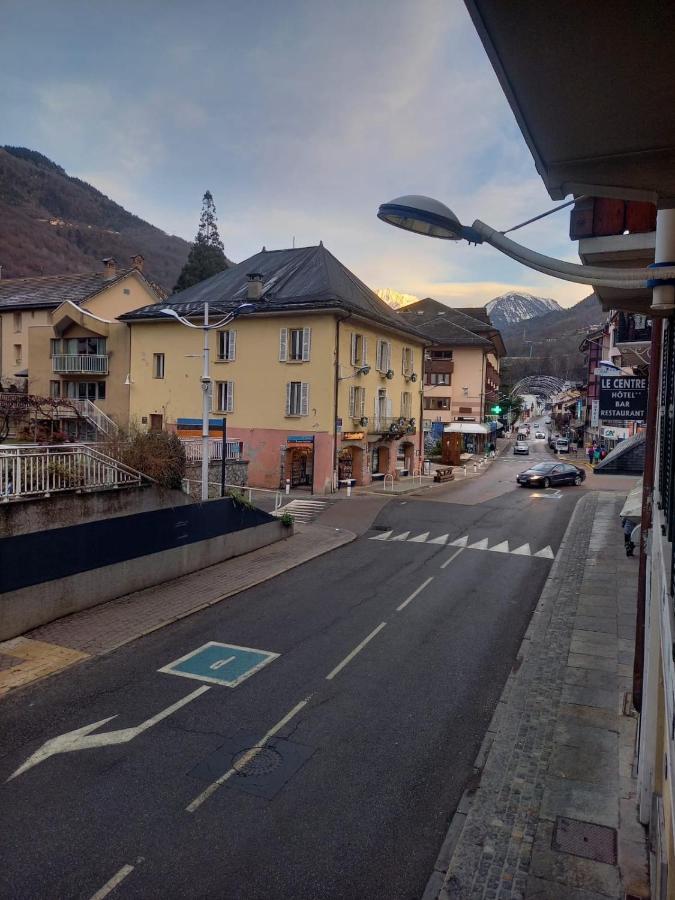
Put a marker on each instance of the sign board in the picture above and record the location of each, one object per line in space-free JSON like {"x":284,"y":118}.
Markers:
{"x":353,"y":436}
{"x":338,"y":424}
{"x":595,"y":413}
{"x":300,"y":439}
{"x":615,"y":434}
{"x":623,"y":397}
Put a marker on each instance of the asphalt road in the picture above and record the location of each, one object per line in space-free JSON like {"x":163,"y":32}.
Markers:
{"x":351,"y":795}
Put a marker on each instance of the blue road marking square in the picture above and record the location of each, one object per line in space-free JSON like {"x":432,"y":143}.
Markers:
{"x":216,"y":663}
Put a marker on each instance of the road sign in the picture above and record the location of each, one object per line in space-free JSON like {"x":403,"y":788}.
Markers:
{"x":226,"y":664}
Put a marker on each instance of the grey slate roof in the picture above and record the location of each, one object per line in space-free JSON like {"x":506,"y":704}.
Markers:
{"x":426,"y":310}
{"x":447,"y":325}
{"x":444,"y":331}
{"x":627,"y":458}
{"x":301,"y":279}
{"x":49,"y":291}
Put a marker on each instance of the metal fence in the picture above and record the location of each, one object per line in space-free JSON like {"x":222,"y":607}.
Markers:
{"x":27,"y":472}
{"x":193,"y":449}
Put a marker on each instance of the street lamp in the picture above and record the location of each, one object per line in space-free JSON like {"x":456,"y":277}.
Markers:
{"x":206,"y":378}
{"x":431,"y":218}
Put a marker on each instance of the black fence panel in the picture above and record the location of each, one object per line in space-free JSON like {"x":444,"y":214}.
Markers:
{"x":30,"y":559}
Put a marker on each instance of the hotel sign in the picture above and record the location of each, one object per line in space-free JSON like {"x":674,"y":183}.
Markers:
{"x":623,"y":397}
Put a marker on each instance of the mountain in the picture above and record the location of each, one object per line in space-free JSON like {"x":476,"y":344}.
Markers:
{"x":52,"y":223}
{"x":549,"y":344}
{"x":512,"y":307}
{"x":394,"y":299}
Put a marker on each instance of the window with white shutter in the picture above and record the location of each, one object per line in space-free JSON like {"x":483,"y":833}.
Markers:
{"x":227,"y":346}
{"x":364,"y":352}
{"x":352,"y":400}
{"x":407,"y":363}
{"x":304,"y":399}
{"x":357,"y":402}
{"x":297,"y":398}
{"x":379,"y":356}
{"x":358,"y":350}
{"x":383,"y":356}
{"x":406,"y":404}
{"x":224,"y":396}
{"x":306,"y":343}
{"x":283,"y":344}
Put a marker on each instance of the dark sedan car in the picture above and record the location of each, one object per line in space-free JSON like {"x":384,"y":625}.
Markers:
{"x":548,"y":474}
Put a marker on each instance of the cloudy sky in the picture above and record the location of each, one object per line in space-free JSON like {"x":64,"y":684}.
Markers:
{"x":300,"y":116}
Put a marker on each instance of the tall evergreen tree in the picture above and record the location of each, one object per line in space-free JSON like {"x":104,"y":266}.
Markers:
{"x":206,"y":256}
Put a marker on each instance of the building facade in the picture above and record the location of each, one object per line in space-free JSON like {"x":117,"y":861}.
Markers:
{"x":319,"y":380}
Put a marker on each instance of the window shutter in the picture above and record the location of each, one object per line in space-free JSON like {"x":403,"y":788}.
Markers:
{"x":404,"y":361}
{"x":283,"y":345}
{"x":352,"y":401}
{"x":304,"y":399}
{"x":306,"y":343}
{"x":412,"y":360}
{"x":364,"y":351}
{"x":388,"y":407}
{"x":378,"y":356}
{"x":230,"y":396}
{"x":354,"y":360}
{"x":388,"y":357}
{"x":288,"y":394}
{"x":403,"y":405}
{"x":232,"y":345}
{"x":362,"y":403}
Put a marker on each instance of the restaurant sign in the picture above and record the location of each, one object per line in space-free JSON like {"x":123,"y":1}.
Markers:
{"x":623,"y":397}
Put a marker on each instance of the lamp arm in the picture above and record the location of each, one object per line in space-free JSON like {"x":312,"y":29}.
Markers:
{"x":602,"y":276}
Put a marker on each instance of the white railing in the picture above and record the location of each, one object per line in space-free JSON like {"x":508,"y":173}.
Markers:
{"x":96,"y":416}
{"x":96,"y":364}
{"x":193,"y":449}
{"x":28,"y":472}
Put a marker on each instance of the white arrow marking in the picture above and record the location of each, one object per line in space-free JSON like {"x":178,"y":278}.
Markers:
{"x":479,"y":545}
{"x":546,"y":553}
{"x":401,"y":537}
{"x":382,"y":537}
{"x":522,"y":551}
{"x":82,"y":739}
{"x":460,"y":542}
{"x":500,"y":548}
{"x":439,"y":540}
{"x":420,"y":539}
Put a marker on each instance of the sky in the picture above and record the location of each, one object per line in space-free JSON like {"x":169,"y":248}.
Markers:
{"x":300,"y":117}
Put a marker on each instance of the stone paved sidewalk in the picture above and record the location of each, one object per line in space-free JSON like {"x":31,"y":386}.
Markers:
{"x":99,"y":630}
{"x":557,"y":758}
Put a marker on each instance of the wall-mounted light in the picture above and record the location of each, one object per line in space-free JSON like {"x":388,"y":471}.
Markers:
{"x":390,"y":374}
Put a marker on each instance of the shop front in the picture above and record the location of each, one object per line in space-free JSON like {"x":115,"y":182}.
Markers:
{"x":298,"y":465}
{"x":352,"y":459}
{"x":611,"y":436}
{"x":474,"y":436}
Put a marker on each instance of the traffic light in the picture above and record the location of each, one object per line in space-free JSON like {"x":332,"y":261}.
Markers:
{"x":496,"y":409}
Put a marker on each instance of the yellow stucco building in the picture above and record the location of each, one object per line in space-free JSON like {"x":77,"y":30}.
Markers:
{"x":318,"y":379}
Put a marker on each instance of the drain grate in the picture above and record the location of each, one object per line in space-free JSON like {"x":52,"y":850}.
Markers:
{"x":256,"y":762}
{"x":596,"y":842}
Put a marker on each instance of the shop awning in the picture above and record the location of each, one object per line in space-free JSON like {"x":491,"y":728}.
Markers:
{"x":467,"y":428}
{"x":632,"y":508}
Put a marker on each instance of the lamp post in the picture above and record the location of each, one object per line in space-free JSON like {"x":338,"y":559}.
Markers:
{"x":206,"y":377}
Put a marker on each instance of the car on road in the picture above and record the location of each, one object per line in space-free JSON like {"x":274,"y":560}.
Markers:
{"x":540,"y":436}
{"x":549,"y":474}
{"x":562,"y":445}
{"x":521,"y":447}
{"x":547,"y":421}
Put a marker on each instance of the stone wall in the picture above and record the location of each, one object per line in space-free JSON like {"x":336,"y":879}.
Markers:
{"x":236,"y":472}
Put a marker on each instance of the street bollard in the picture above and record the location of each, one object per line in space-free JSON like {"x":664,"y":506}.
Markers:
{"x":464,"y":467}
{"x":475,"y":467}
{"x":349,"y":489}
{"x":288,"y":485}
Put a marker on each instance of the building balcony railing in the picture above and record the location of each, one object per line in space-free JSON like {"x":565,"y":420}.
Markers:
{"x":86,"y":364}
{"x":627,"y":334}
{"x":392,"y":425}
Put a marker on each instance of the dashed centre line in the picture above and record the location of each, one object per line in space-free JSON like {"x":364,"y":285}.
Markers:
{"x":414,"y":594}
{"x":357,"y":649}
{"x":450,"y":558}
{"x":110,"y":886}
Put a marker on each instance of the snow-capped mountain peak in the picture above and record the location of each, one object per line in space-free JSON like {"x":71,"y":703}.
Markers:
{"x":516,"y":306}
{"x":394,"y":298}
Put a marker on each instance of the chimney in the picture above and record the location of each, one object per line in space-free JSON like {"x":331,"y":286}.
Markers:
{"x":255,"y":286}
{"x":109,"y":267}
{"x":137,"y":262}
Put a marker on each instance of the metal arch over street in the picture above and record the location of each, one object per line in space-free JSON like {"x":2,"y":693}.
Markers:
{"x":540,"y":385}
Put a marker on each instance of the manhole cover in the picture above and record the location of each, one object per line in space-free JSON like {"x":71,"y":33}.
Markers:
{"x":595,"y":842}
{"x":256,"y":761}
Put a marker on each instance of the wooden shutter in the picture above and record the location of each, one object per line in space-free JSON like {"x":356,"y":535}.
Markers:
{"x":288,"y":393}
{"x":354,"y":360}
{"x":232,"y":345}
{"x":304,"y":399}
{"x":403,"y":405}
{"x":352,"y":400}
{"x":388,"y":356}
{"x":388,"y":407}
{"x":364,"y":351}
{"x":283,"y":345}
{"x":230,"y":396}
{"x":306,"y":343}
{"x":378,"y":356}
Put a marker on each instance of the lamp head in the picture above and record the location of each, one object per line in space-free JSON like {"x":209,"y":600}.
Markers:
{"x":364,"y":370}
{"x":167,"y":311}
{"x":423,"y":215}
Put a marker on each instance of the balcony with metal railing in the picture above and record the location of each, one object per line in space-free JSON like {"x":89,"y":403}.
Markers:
{"x":81,"y":364}
{"x":629,"y":334}
{"x":392,"y":425}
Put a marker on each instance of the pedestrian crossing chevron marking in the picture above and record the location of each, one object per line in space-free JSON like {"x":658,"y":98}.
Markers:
{"x":483,"y":544}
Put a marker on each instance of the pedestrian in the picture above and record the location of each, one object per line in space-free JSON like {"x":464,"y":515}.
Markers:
{"x":589,"y":453}
{"x":603,"y":452}
{"x":596,"y":455}
{"x":628,"y":527}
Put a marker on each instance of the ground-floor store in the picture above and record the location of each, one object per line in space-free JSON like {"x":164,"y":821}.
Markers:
{"x":362,"y":458}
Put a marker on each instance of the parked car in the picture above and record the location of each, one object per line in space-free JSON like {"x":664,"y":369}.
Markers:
{"x":552,"y":438}
{"x":547,"y":474}
{"x":521,"y":447}
{"x":540,"y":436}
{"x":562,"y":445}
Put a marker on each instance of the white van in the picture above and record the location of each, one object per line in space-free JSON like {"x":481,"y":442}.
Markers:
{"x":562,"y":445}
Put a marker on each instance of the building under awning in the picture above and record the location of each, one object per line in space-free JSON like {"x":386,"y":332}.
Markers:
{"x":467,"y":428}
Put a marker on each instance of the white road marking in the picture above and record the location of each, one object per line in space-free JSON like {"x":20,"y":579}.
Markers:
{"x":252,"y":753}
{"x":479,"y":545}
{"x":414,"y":594}
{"x":545,"y":553}
{"x":265,"y":658}
{"x":401,"y":537}
{"x":381,"y":537}
{"x":443,"y":539}
{"x":357,"y":649}
{"x":82,"y":739}
{"x":221,"y":662}
{"x":500,"y":548}
{"x":454,"y":556}
{"x":110,"y":886}
{"x":522,"y":551}
{"x":420,"y":539}
{"x":460,"y":542}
